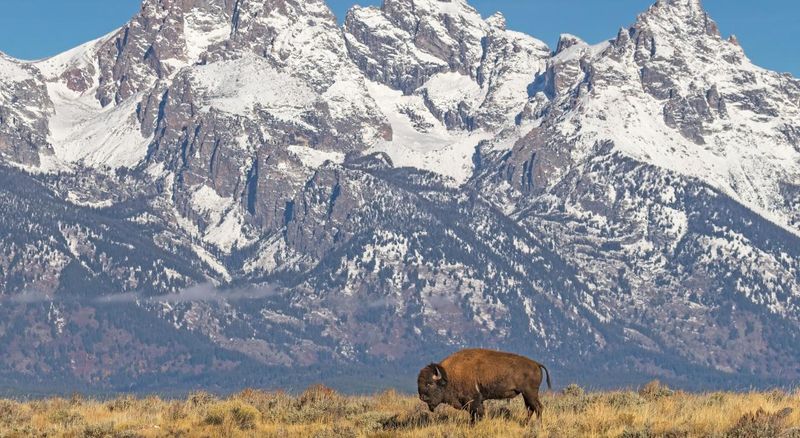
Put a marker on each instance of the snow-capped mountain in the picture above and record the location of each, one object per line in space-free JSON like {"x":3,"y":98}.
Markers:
{"x":219,"y":189}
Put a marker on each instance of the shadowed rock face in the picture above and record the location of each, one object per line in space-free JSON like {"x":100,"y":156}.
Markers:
{"x":426,"y":37}
{"x":288,"y":196}
{"x":407,"y":45}
{"x":137,"y":54}
{"x":24,"y":108}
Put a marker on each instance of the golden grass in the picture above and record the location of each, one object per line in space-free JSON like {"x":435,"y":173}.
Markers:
{"x":654,"y":411}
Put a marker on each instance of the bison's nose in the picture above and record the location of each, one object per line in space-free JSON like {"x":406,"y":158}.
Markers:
{"x":431,"y":407}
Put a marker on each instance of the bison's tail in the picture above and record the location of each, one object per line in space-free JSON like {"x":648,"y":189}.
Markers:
{"x":547,"y":373}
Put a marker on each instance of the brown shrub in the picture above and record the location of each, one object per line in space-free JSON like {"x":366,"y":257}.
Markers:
{"x":51,"y":405}
{"x":251,"y":394}
{"x":643,"y":433}
{"x":777,"y":395}
{"x":277,"y":407}
{"x":67,"y":419}
{"x":175,"y":412}
{"x":319,"y":403}
{"x":241,"y":415}
{"x":791,"y":433}
{"x":715,"y":399}
{"x":500,"y":412}
{"x":13,"y":413}
{"x":573,"y":390}
{"x":759,"y":424}
{"x":647,"y":433}
{"x":655,"y":390}
{"x":76,"y":399}
{"x":388,"y":398}
{"x":105,"y":430}
{"x":623,"y":399}
{"x":418,"y":418}
{"x":244,"y":416}
{"x":262,"y":400}
{"x":200,"y":399}
{"x":371,"y":422}
{"x":337,"y":431}
{"x":317,"y":394}
{"x":121,"y":404}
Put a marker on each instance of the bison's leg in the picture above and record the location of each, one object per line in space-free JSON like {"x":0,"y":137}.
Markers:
{"x":539,"y":408}
{"x":533,"y":404}
{"x":476,"y":410}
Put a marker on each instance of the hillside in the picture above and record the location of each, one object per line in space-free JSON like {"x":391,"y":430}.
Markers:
{"x":654,"y":410}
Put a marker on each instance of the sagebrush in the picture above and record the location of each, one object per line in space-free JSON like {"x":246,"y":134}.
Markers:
{"x":651,"y":411}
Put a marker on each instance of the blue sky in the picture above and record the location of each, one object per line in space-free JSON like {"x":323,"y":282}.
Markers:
{"x":768,"y":29}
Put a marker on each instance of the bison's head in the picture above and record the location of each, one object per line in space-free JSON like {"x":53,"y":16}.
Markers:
{"x":431,"y":384}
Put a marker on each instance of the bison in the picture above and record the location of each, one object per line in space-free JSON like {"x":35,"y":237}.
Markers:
{"x":467,"y":378}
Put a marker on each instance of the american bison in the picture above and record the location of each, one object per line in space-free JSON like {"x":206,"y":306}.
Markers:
{"x":467,"y":378}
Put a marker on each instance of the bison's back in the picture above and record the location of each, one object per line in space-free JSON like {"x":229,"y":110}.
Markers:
{"x":480,"y":357}
{"x":489,"y":367}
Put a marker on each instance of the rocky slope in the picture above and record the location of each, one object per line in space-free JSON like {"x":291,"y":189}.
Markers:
{"x":254,"y":188}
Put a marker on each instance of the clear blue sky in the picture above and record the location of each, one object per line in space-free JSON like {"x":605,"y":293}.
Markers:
{"x":768,"y":29}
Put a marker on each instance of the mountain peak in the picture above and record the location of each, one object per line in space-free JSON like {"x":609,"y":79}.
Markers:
{"x":497,"y":20}
{"x":430,"y":8}
{"x":680,"y":16}
{"x":684,"y":4}
{"x":566,"y":40}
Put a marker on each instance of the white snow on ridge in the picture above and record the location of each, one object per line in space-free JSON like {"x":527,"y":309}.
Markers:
{"x":237,"y":86}
{"x":315,"y":158}
{"x":83,"y":131}
{"x":448,"y":90}
{"x":431,"y":148}
{"x":744,"y":166}
{"x":83,"y":55}
{"x":202,"y":29}
{"x":229,"y":232}
{"x":80,"y":129}
{"x":744,"y":155}
{"x":207,"y":202}
{"x":226,"y":221}
{"x":212,"y":262}
{"x":579,"y":50}
{"x":12,"y":71}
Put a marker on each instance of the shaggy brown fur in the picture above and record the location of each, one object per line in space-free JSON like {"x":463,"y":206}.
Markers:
{"x":467,"y":378}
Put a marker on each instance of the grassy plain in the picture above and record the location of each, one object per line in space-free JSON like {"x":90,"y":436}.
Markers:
{"x":651,"y":411}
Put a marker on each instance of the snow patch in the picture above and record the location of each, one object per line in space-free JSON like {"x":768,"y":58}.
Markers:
{"x":226,"y":221}
{"x":203,"y":29}
{"x":447,"y":90}
{"x":420,"y":140}
{"x":238,"y":86}
{"x":76,"y":199}
{"x":315,"y":158}
{"x":229,"y":232}
{"x":83,"y":131}
{"x":12,"y":71}
{"x":212,"y":262}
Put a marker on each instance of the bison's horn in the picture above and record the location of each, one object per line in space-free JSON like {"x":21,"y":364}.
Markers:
{"x":438,"y":375}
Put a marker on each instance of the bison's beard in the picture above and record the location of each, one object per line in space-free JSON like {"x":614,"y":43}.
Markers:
{"x":432,"y":400}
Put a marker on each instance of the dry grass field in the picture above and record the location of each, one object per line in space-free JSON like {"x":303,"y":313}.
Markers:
{"x":653,"y":411}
